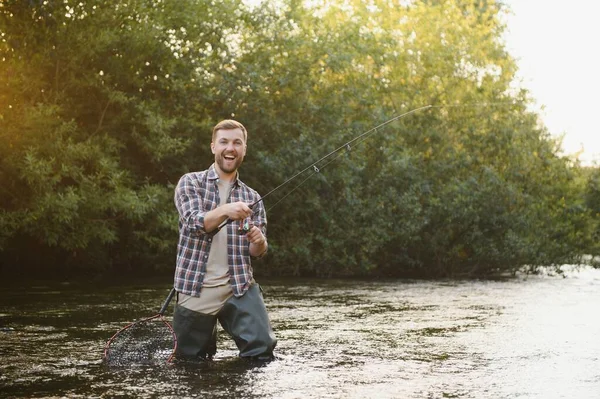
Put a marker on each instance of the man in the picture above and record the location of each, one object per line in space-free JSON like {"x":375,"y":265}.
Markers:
{"x":213,"y":276}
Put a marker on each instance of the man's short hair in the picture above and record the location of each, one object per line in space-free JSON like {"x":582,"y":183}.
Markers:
{"x":229,"y":124}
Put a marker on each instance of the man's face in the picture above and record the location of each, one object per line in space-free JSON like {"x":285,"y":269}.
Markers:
{"x":229,"y":148}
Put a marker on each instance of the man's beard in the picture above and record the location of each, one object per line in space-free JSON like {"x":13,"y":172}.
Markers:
{"x":233,"y":165}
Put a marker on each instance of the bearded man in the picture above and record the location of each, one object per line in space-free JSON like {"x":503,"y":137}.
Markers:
{"x":213,"y":275}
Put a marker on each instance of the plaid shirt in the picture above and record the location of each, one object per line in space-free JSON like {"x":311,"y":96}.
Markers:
{"x":195,"y":195}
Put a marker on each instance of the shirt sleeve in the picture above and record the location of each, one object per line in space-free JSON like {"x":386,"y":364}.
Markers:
{"x":188,"y":201}
{"x":259,"y":219}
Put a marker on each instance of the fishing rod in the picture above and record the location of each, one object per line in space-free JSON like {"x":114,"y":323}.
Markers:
{"x":313,"y":166}
{"x":363,"y":137}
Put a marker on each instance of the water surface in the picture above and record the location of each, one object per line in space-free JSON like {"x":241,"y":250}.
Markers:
{"x":530,"y":337}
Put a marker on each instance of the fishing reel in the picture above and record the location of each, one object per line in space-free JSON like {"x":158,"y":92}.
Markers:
{"x":244,"y":228}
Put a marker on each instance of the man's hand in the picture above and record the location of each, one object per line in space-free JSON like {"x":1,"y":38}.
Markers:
{"x":255,"y":236}
{"x":236,"y":210}
{"x":258,"y":242}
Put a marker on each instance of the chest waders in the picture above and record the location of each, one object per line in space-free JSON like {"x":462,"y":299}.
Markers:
{"x":244,"y":318}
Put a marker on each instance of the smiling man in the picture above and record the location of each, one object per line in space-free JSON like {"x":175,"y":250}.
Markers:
{"x":213,"y":276}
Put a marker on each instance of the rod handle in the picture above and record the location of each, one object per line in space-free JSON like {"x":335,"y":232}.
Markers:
{"x":165,"y":305}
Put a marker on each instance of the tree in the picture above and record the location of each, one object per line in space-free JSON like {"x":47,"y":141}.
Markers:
{"x":98,"y":102}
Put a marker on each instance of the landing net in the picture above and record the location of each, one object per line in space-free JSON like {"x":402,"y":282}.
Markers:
{"x":150,"y":341}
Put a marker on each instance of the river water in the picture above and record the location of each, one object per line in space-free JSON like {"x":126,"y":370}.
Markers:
{"x":528,"y":337}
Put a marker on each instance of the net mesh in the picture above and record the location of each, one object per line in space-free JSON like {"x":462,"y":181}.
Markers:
{"x":146,"y":342}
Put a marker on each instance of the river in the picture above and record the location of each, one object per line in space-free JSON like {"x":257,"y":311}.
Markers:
{"x":527,"y":337}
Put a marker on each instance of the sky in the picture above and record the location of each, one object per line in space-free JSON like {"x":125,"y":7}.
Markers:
{"x":556,"y":45}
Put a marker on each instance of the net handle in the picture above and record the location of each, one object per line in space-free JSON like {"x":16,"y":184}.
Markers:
{"x":165,"y":305}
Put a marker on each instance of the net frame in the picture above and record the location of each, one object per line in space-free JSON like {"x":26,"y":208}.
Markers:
{"x":157,"y":317}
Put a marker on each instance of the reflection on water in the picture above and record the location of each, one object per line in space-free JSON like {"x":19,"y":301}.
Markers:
{"x":534,"y":337}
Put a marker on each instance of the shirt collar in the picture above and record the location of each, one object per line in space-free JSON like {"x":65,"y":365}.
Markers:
{"x":213,"y":175}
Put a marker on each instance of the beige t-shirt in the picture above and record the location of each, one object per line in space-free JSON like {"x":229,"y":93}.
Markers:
{"x":216,"y":289}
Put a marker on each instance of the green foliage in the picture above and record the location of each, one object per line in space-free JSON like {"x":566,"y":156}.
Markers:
{"x":592,"y":201}
{"x":104,"y":106}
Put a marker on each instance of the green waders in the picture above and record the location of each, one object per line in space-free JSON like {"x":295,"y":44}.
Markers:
{"x":244,"y":318}
{"x":196,"y":334}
